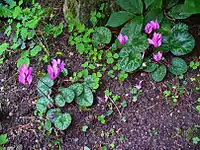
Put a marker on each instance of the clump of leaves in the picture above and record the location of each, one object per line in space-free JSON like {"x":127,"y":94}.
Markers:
{"x":3,"y":140}
{"x":49,"y":107}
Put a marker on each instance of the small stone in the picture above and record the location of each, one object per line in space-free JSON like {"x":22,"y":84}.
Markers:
{"x":11,"y":114}
{"x":19,"y":147}
{"x":142,"y":74}
{"x":10,"y":148}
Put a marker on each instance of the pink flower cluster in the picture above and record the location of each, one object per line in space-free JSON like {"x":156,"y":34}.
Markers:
{"x":55,"y":69}
{"x":122,"y":39}
{"x":156,"y":40}
{"x":25,"y":73}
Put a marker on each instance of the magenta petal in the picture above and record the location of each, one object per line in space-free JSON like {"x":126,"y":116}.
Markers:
{"x":50,"y":71}
{"x":62,"y":65}
{"x":54,"y":62}
{"x":148,"y":28}
{"x":125,"y":38}
{"x":29,"y":79}
{"x":150,"y":41}
{"x":21,"y":78}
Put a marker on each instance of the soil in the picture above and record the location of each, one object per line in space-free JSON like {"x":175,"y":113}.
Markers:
{"x":151,"y":123}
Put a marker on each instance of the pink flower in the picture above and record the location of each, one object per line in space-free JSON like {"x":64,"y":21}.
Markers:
{"x":25,"y":75}
{"x":155,"y":24}
{"x":139,"y":86}
{"x":157,"y":57}
{"x":148,"y":28}
{"x":122,"y":39}
{"x":55,"y":69}
{"x":156,"y":41}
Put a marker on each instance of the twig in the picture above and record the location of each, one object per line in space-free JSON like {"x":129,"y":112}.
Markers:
{"x":115,"y":106}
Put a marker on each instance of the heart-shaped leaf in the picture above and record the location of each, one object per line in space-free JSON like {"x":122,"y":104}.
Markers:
{"x":77,"y":88}
{"x":101,"y":36}
{"x":181,"y":43}
{"x":53,"y":113}
{"x":68,"y":94}
{"x":42,"y":104}
{"x":130,"y":58}
{"x":44,"y":85}
{"x":178,"y":66}
{"x":86,"y":98}
{"x":63,"y":121}
{"x":60,"y":100}
{"x":159,"y":74}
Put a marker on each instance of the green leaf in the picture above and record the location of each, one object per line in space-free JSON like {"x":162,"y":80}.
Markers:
{"x":77,"y":88}
{"x":68,"y":94}
{"x":44,"y":85}
{"x":195,"y":140}
{"x":24,"y":33}
{"x":60,"y":100}
{"x":178,"y":66}
{"x":134,"y":27}
{"x":119,"y":18}
{"x":47,"y":125}
{"x":58,"y":30}
{"x":35,"y":50}
{"x":181,"y":43}
{"x":198,"y":107}
{"x":150,"y":67}
{"x":177,"y":12}
{"x":153,"y":14}
{"x":23,"y":60}
{"x":191,"y":6}
{"x":153,"y":3}
{"x":80,"y":48}
{"x":89,"y":81}
{"x":86,"y":148}
{"x":139,"y":42}
{"x":179,"y":27}
{"x":84,"y":128}
{"x":32,"y":23}
{"x":171,"y":3}
{"x":134,"y":6}
{"x":3,"y":47}
{"x":101,"y":36}
{"x":17,"y":11}
{"x":159,"y":74}
{"x":42,"y":104}
{"x":3,"y":139}
{"x":130,"y":58}
{"x":53,"y":112}
{"x":86,"y":98}
{"x":63,"y":121}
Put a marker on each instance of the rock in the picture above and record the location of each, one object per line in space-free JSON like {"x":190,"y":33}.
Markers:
{"x":81,"y":9}
{"x":19,"y":147}
{"x":10,"y":148}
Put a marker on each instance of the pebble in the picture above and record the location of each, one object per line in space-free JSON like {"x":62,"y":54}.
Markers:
{"x":10,"y":114}
{"x":19,"y":147}
{"x":10,"y":148}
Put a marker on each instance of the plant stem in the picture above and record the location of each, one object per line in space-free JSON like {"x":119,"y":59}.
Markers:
{"x":115,"y":106}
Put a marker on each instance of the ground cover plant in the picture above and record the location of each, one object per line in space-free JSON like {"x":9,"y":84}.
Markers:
{"x":130,"y":83}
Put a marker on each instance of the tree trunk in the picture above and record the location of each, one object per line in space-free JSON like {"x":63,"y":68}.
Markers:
{"x":82,"y":9}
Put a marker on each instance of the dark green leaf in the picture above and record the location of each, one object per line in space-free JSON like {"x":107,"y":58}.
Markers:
{"x":150,"y":67}
{"x":60,"y":100}
{"x":134,"y":6}
{"x":178,"y":13}
{"x":3,"y":139}
{"x":159,"y":74}
{"x":77,"y":88}
{"x":86,"y":98}
{"x":42,"y":104}
{"x":178,"y":66}
{"x":101,"y":36}
{"x":63,"y":121}
{"x":53,"y":113}
{"x":130,"y":58}
{"x":118,"y":18}
{"x":44,"y":85}
{"x":191,"y":6}
{"x":68,"y":94}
